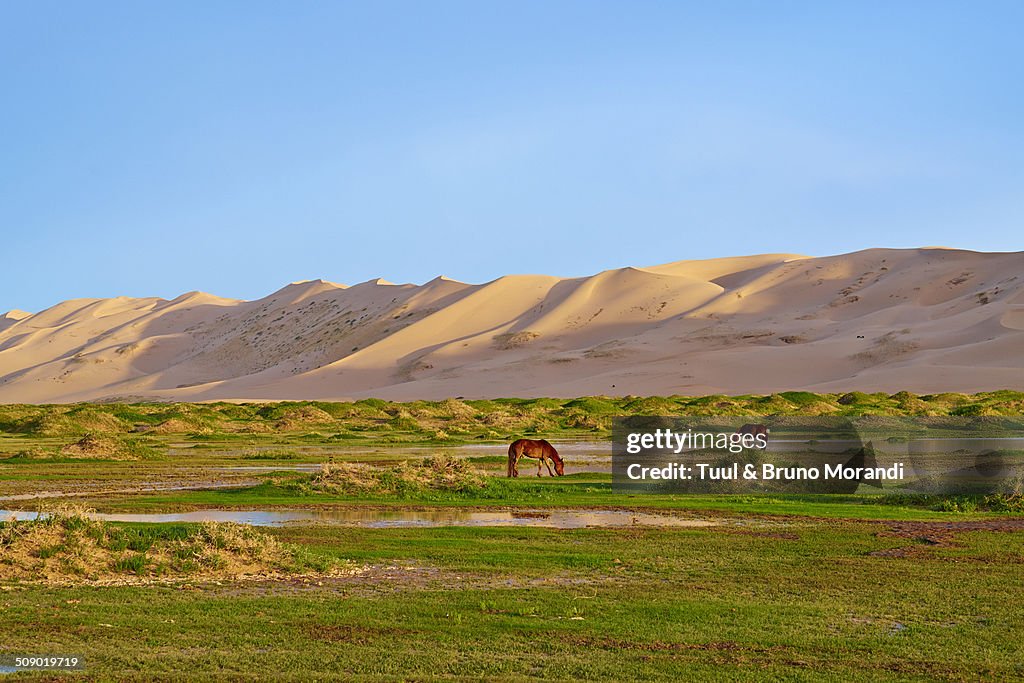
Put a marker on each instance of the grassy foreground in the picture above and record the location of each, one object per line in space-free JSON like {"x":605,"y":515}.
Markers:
{"x":806,"y":601}
{"x":785,"y":587}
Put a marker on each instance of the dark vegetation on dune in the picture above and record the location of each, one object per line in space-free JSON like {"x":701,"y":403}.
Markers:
{"x":454,"y":420}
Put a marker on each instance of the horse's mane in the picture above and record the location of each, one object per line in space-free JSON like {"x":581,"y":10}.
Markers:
{"x":550,"y":451}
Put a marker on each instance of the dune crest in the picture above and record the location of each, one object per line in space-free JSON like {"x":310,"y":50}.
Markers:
{"x":924,"y":320}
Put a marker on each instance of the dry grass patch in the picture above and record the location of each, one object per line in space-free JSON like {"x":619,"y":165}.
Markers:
{"x":108,"y":447}
{"x":177,"y":425}
{"x":60,"y":421}
{"x":66,"y":546}
{"x":438,"y":473}
{"x":301,"y":416}
{"x":514,"y":340}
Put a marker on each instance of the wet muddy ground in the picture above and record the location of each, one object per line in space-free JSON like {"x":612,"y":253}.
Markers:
{"x":211,"y":466}
{"x":399,"y":518}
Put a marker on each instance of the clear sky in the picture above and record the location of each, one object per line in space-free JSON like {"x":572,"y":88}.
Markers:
{"x":154,"y":148}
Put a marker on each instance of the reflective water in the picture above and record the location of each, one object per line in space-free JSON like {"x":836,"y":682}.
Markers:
{"x":383,"y":518}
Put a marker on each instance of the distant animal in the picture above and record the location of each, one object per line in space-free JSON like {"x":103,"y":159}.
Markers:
{"x":862,"y":457}
{"x":541,"y":450}
{"x":753,"y":429}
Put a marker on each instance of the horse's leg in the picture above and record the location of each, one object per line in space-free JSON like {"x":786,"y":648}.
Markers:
{"x":515,"y":465}
{"x":538,"y":464}
{"x":547,"y":461}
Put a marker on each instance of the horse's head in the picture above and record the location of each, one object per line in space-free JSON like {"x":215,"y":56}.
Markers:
{"x":557,"y":459}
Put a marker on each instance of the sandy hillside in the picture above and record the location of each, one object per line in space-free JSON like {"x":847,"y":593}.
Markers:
{"x":924,"y":320}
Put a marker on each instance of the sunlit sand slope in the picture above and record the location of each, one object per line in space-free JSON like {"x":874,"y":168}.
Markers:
{"x":924,"y":320}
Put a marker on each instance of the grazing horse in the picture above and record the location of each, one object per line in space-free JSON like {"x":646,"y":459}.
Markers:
{"x":541,"y":450}
{"x":754,"y":429}
{"x":864,"y":457}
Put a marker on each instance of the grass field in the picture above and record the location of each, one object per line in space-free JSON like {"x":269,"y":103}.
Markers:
{"x":801,"y":601}
{"x":787,"y":587}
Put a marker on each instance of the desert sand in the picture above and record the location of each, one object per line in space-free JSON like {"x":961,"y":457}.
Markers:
{"x":922,"y":320}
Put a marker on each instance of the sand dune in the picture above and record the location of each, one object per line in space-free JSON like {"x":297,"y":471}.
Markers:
{"x":923,"y":320}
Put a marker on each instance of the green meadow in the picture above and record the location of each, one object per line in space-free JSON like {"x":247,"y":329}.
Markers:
{"x":784,"y":587}
{"x":808,"y":600}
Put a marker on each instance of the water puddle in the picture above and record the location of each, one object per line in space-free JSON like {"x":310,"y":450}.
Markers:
{"x":305,"y":467}
{"x":382,"y":519}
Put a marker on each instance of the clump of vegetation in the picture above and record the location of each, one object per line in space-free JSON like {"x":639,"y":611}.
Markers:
{"x":73,"y":421}
{"x":36,"y":453}
{"x":514,"y":340}
{"x":270,"y":454}
{"x":179,"y":425}
{"x":66,"y":546}
{"x":1003,"y":502}
{"x":404,"y":422}
{"x":110,"y":447}
{"x":436,"y":473}
{"x":296,"y":417}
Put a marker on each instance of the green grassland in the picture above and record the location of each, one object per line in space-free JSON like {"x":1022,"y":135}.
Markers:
{"x":786,"y":587}
{"x":808,"y":601}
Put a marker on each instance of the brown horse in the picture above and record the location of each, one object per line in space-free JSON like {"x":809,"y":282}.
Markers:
{"x":753,"y":429}
{"x":541,"y":450}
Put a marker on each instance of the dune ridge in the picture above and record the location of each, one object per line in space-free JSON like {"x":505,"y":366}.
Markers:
{"x":922,"y":320}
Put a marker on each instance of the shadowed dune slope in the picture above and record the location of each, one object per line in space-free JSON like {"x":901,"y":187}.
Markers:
{"x":924,"y":320}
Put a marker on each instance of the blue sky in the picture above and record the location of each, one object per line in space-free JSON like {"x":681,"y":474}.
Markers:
{"x":155,"y":148}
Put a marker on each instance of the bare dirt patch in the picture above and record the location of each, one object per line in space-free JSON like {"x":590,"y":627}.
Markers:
{"x":354,"y":634}
{"x":948,"y":529}
{"x":927,"y":535}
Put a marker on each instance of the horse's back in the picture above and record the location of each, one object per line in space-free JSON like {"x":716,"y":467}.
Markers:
{"x":753,"y":429}
{"x":521,"y":446}
{"x":529,"y":446}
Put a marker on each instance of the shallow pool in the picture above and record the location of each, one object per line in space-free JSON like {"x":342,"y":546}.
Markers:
{"x":556,"y":519}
